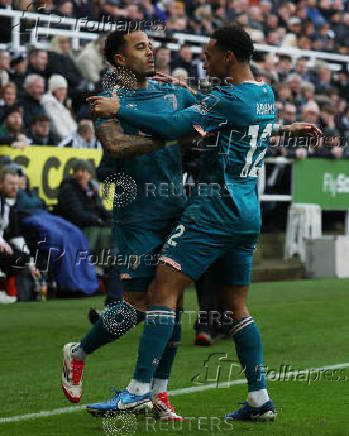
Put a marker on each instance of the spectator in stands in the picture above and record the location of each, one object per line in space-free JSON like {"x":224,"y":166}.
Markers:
{"x":177,"y":18}
{"x":8,"y":96}
{"x":34,"y":89}
{"x":284,"y":93}
{"x":133,"y":12}
{"x":39,"y":131}
{"x":110,"y":9}
{"x":65,"y":8}
{"x":4,"y":66}
{"x":11,"y":128}
{"x":323,"y":80}
{"x":302,"y":69}
{"x":284,"y":67}
{"x":327,"y":117}
{"x":184,"y":60}
{"x":44,"y":231}
{"x":162,"y":60}
{"x":61,"y":121}
{"x":37,"y":62}
{"x":80,"y":203}
{"x":304,"y":43}
{"x":202,"y":23}
{"x":91,"y":61}
{"x":82,"y":9}
{"x":313,"y":13}
{"x":14,"y":253}
{"x":60,"y":59}
{"x":19,"y":65}
{"x":311,"y":113}
{"x":342,"y":83}
{"x":340,"y":29}
{"x":294,"y":26}
{"x":255,"y":18}
{"x":307,"y":92}
{"x":78,"y":198}
{"x":290,"y":114}
{"x":270,"y":24}
{"x":269,"y":65}
{"x":83,"y":138}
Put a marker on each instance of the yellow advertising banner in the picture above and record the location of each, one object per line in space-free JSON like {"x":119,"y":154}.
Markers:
{"x":47,"y":166}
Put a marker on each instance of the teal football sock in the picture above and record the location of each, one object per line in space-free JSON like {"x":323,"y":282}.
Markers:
{"x":164,"y":369}
{"x":249,"y":348}
{"x":113,"y":323}
{"x":158,"y":328}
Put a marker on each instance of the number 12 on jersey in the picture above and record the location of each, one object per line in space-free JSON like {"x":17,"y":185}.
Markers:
{"x":250,"y":168}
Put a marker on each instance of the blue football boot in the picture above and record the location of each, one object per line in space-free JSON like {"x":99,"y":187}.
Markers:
{"x":266,"y":412}
{"x":129,"y":402}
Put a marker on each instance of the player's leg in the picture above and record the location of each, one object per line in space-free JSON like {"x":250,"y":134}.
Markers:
{"x":159,"y":324}
{"x":208,"y":326}
{"x":235,"y":271}
{"x":161,"y":405}
{"x":136,"y":276}
{"x":114,"y":322}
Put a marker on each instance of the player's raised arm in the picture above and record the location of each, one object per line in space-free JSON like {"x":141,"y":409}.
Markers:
{"x":203,"y":117}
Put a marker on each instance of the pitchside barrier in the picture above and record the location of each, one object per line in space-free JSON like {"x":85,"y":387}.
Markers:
{"x":47,"y":166}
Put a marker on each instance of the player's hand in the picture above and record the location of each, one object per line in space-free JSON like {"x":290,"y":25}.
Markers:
{"x":162,"y":77}
{"x":104,"y":107}
{"x":304,"y":129}
{"x":5,"y":247}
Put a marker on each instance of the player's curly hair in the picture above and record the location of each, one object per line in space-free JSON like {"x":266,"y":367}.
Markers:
{"x":234,"y":38}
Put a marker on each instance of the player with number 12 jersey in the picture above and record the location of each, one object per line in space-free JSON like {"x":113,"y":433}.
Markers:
{"x":222,"y":221}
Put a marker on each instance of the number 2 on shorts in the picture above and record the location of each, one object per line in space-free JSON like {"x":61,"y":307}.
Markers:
{"x":181,"y":230}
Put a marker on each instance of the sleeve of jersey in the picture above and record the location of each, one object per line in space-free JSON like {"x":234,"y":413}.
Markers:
{"x":203,"y":117}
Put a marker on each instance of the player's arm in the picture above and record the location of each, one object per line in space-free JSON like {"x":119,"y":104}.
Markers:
{"x":169,"y":126}
{"x":120,"y":145}
{"x":165,"y":126}
{"x":296,"y":129}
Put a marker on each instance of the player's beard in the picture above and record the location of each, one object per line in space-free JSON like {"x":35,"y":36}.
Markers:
{"x":150,"y":74}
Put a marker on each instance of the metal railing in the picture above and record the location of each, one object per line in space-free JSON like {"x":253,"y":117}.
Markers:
{"x":82,"y":29}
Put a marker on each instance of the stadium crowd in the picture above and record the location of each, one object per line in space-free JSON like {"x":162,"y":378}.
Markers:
{"x":43,"y":92}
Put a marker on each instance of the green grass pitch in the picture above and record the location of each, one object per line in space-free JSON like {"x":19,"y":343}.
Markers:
{"x":304,"y":324}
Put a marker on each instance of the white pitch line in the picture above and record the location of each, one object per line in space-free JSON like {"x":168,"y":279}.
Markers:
{"x":190,"y":390}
